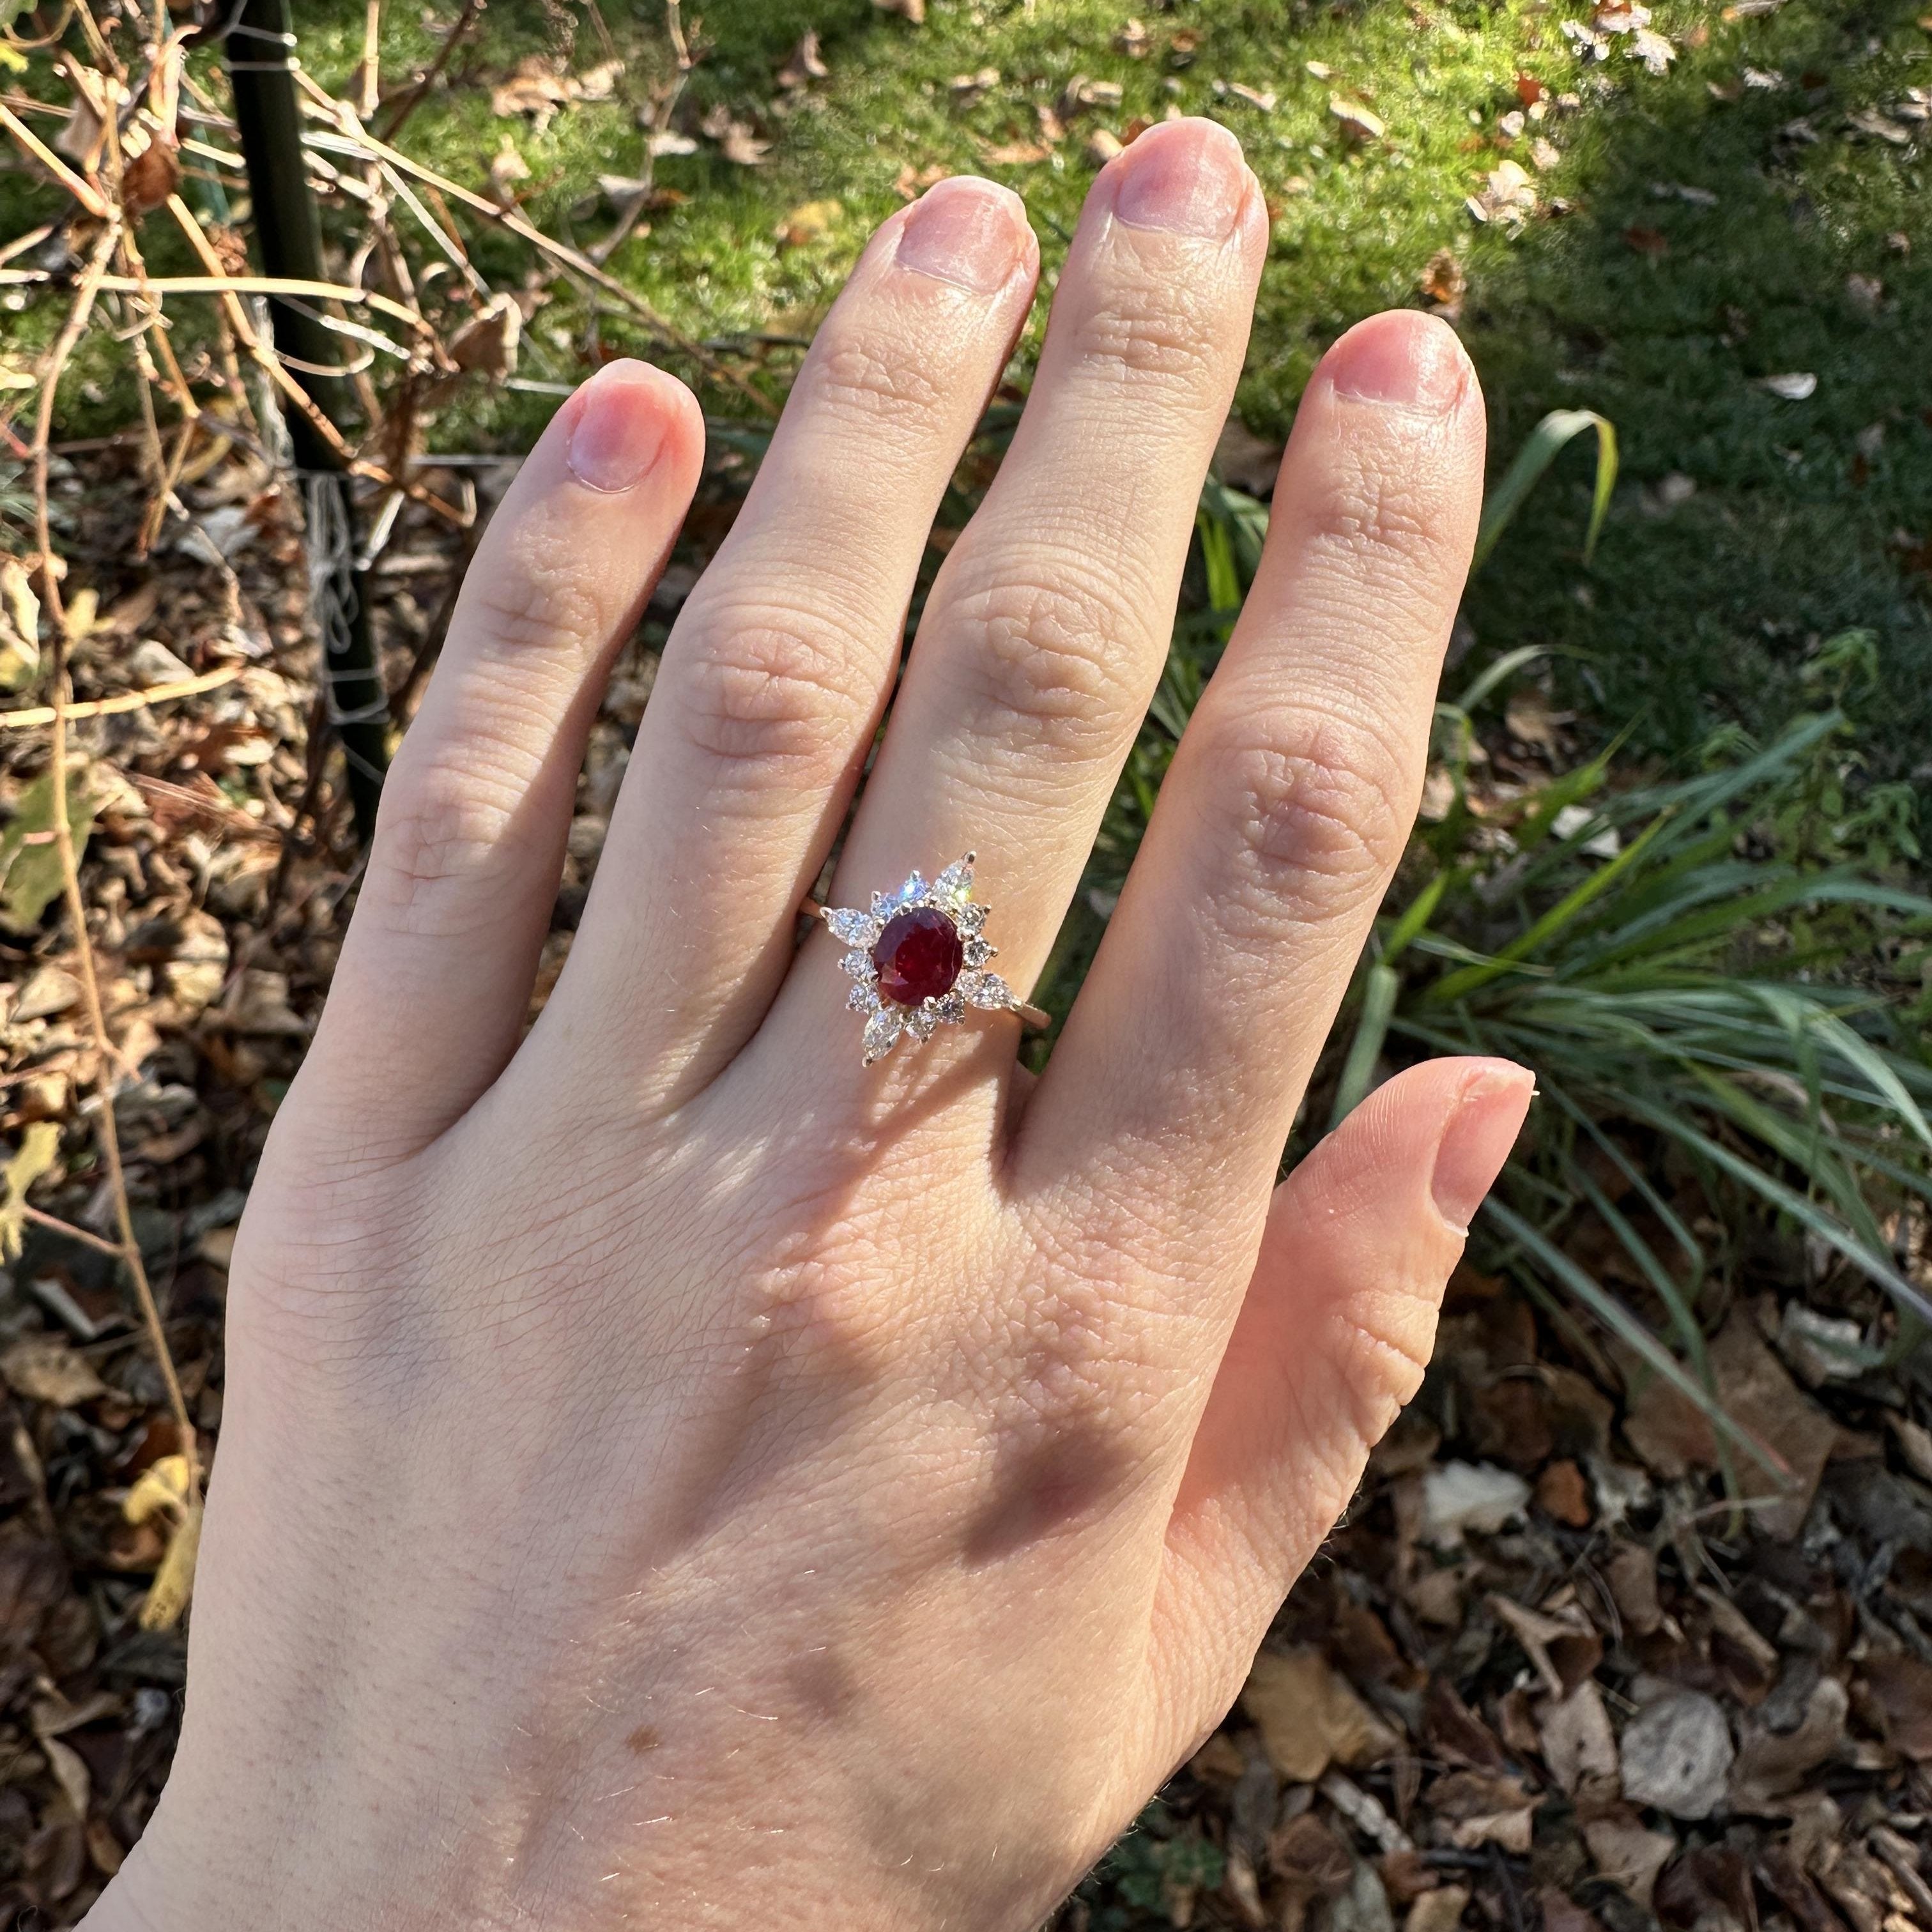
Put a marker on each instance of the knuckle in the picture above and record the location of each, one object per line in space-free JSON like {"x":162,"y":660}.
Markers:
{"x":543,"y":604}
{"x":1374,"y":515}
{"x":769,"y":686}
{"x":446,"y":829}
{"x":1046,"y":660}
{"x":1321,"y":807}
{"x":1150,"y":331}
{"x":875,"y":380}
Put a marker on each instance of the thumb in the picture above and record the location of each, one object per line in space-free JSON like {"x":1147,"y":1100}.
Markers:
{"x":1332,"y":1340}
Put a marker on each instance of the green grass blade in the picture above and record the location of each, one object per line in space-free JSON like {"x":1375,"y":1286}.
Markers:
{"x":1619,"y":1320}
{"x":1457,"y":985}
{"x":1545,"y":441}
{"x":1371,"y":1030}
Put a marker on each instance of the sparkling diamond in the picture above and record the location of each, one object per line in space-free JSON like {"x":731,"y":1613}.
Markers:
{"x":921,"y":1021}
{"x":863,"y":999}
{"x":882,"y":1033}
{"x":955,"y":882}
{"x":952,"y":1009}
{"x":918,"y":956}
{"x":978,"y":951}
{"x":986,"y":989}
{"x":969,"y":918}
{"x":859,"y":964}
{"x":854,"y":927}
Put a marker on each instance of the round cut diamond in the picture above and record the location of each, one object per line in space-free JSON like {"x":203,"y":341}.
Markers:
{"x":919,"y":955}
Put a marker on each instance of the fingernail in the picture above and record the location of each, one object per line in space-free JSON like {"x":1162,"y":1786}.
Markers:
{"x":967,"y":232}
{"x":619,"y":429}
{"x":1481,"y":1128}
{"x":1411,"y":360}
{"x":1186,"y":176}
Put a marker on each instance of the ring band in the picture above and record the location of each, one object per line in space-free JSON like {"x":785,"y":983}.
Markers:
{"x":919,"y":957}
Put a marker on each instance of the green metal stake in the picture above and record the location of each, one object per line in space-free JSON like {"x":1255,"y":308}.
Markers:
{"x":260,"y":48}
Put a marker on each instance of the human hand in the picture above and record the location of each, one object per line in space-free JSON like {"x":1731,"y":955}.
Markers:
{"x":673,"y":1474}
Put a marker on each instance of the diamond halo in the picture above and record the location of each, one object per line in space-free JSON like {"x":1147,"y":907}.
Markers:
{"x":889,"y":1020}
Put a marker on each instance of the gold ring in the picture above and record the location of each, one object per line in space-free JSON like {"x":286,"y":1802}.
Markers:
{"x":919,"y":956}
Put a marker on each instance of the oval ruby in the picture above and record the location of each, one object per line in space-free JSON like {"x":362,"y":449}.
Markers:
{"x":919,"y":955}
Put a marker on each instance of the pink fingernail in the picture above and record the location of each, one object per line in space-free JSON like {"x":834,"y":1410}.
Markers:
{"x":1186,"y":176}
{"x":620,"y":430}
{"x":971,"y":233}
{"x":1401,"y":357}
{"x":1477,"y":1138}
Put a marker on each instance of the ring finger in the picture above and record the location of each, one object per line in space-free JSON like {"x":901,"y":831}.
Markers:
{"x":1046,"y":629}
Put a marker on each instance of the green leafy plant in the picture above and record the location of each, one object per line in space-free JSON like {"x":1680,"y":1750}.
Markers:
{"x":1703,"y":993}
{"x":1710,"y":976}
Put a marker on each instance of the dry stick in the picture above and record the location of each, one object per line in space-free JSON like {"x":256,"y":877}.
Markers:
{"x":126,"y":700}
{"x":54,"y":1225}
{"x":129,"y":1250}
{"x":272,"y":365}
{"x":506,"y":217}
{"x":409,"y":102}
{"x":82,"y":191}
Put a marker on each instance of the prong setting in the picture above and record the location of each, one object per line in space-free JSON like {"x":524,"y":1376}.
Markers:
{"x":945,"y":953}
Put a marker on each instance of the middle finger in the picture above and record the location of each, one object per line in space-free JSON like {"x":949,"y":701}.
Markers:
{"x":1047,"y":627}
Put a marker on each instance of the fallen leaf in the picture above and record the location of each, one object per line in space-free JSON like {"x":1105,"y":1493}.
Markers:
{"x":804,"y":65}
{"x":487,"y":344}
{"x":737,"y":140}
{"x":1485,"y":1808}
{"x":1560,"y":1492}
{"x":1462,"y":1496}
{"x":45,"y":991}
{"x":1676,"y":1754}
{"x":173,"y":1586}
{"x":19,"y":626}
{"x":161,"y":1489}
{"x":1357,"y":123}
{"x":1771,"y":1763}
{"x":507,"y":167}
{"x":48,"y":1368}
{"x":39,"y":1148}
{"x":1443,"y":281}
{"x":1901,"y":1689}
{"x":1440,"y":1910}
{"x":29,"y":861}
{"x":1577,"y":1740}
{"x":1627,"y":1853}
{"x":1882,"y":126}
{"x":807,"y":222}
{"x":1245,"y":461}
{"x":1560,"y":1912}
{"x":1632,"y":1576}
{"x":1310,"y":1716}
{"x":1647,"y":240}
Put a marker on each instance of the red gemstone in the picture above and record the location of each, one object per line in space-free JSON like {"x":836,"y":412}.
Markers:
{"x":919,"y":955}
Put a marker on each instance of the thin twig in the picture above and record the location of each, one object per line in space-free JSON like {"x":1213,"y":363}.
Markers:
{"x":83,"y":191}
{"x":271,"y":366}
{"x":125,"y":700}
{"x":129,"y":1249}
{"x":408,"y":103}
{"x":356,"y":137}
{"x":54,"y":1225}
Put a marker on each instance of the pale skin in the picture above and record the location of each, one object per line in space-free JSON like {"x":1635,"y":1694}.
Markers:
{"x":672,"y":1474}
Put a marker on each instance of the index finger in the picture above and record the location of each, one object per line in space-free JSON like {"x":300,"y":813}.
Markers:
{"x":1286,"y":807}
